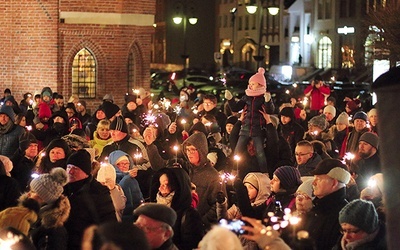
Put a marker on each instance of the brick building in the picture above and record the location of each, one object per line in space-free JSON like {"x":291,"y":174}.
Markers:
{"x":89,"y":48}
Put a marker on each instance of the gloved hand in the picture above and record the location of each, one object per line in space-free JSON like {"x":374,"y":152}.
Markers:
{"x":267,"y":97}
{"x":228,"y":95}
{"x":220,"y":197}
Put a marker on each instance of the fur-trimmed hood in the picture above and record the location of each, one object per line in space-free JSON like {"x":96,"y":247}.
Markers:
{"x":55,"y":214}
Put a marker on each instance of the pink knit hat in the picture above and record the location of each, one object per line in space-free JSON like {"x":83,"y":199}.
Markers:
{"x":259,"y":77}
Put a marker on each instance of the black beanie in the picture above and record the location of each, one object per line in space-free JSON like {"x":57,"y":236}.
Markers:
{"x":119,"y":124}
{"x":58,"y":143}
{"x":130,"y":98}
{"x":288,"y":112}
{"x":231,"y":120}
{"x":110,"y":109}
{"x":81,"y":159}
{"x":25,"y":140}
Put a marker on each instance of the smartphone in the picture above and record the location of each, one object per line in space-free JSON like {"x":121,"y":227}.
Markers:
{"x":233,"y":225}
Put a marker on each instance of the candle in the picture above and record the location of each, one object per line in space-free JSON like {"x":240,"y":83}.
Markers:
{"x":184,"y":124}
{"x":237,"y":159}
{"x":176,"y":153}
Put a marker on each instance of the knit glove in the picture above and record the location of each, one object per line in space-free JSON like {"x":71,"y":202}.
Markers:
{"x":267,"y":97}
{"x":228,"y":95}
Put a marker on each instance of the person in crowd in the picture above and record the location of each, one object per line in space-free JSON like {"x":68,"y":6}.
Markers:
{"x":24,"y":160}
{"x":108,"y":98}
{"x":317,"y":92}
{"x":317,"y":130}
{"x":219,"y":238}
{"x":340,"y":132}
{"x":255,"y":100}
{"x":171,"y":186}
{"x":367,"y":161}
{"x":291,"y":130}
{"x":157,"y":222}
{"x":352,"y":107}
{"x":47,"y":98}
{"x":10,"y":101}
{"x":360,"y":227}
{"x":320,"y":149}
{"x":91,"y":125}
{"x":304,"y":198}
{"x":107,"y":176}
{"x":306,"y":158}
{"x":210,"y":107}
{"x":132,"y":110}
{"x":122,"y":141}
{"x":43,"y":116}
{"x":374,"y":192}
{"x":71,"y":110}
{"x":230,"y":122}
{"x":47,"y":189}
{"x":91,"y":202}
{"x":9,"y":132}
{"x":26,"y":106}
{"x":373,"y":120}
{"x":82,"y":112}
{"x":329,"y":185}
{"x":114,"y":235}
{"x":101,"y":137}
{"x":126,"y":173}
{"x":56,"y":154}
{"x":59,"y":100}
{"x":73,"y":99}
{"x":58,"y":127}
{"x":360,"y":127}
{"x":6,"y":93}
{"x":204,"y":176}
{"x":9,"y":188}
{"x":20,"y":120}
{"x":330,"y":114}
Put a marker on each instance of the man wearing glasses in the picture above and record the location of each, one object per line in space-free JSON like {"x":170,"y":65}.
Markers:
{"x":330,"y":179}
{"x":210,"y":107}
{"x":306,"y":159}
{"x":203,"y":175}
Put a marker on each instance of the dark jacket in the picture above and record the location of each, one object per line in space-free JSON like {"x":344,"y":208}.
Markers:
{"x":365,"y":168}
{"x":55,"y":130}
{"x":9,"y":139}
{"x":293,"y":133}
{"x":90,"y":204}
{"x":221,"y":117}
{"x":206,"y":179}
{"x":306,"y":168}
{"x":254,"y":120}
{"x":188,"y":228}
{"x":9,"y":192}
{"x":353,"y":139}
{"x":51,"y":234}
{"x":324,"y":227}
{"x":22,"y":170}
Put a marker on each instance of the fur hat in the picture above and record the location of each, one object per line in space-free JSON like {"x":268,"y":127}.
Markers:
{"x":109,"y":108}
{"x":361,"y":214}
{"x":25,"y":141}
{"x":81,"y":159}
{"x":259,"y":77}
{"x":307,"y":188}
{"x":343,"y":118}
{"x":330,"y":109}
{"x":370,"y":138}
{"x":334,"y":168}
{"x":108,"y":98}
{"x":319,"y":121}
{"x":360,"y":115}
{"x":106,"y":171}
{"x":119,"y":124}
{"x":76,"y":141}
{"x":8,"y":111}
{"x":289,"y":177}
{"x":49,"y":187}
{"x":158,"y":212}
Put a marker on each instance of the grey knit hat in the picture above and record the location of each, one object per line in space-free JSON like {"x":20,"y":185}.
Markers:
{"x":319,"y":121}
{"x":49,"y":187}
{"x":361,"y":214}
{"x":343,"y":118}
{"x":370,"y":138}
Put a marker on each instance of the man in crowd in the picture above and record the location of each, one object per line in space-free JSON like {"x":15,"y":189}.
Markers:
{"x":306,"y":159}
{"x":9,"y":132}
{"x":360,"y":127}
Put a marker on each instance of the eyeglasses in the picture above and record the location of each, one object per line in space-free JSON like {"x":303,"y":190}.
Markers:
{"x":191,"y":150}
{"x":348,"y":231}
{"x":148,"y":229}
{"x":302,"y":154}
{"x":123,"y":163}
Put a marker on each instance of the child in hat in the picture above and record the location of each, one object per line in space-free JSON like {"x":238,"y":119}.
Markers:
{"x":256,"y":102}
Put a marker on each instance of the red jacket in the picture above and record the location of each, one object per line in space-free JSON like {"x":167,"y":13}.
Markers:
{"x":317,"y":96}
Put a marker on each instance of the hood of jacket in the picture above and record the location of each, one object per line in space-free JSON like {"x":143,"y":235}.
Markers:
{"x":55,"y":214}
{"x":199,"y":141}
{"x":115,"y":155}
{"x":263,"y":182}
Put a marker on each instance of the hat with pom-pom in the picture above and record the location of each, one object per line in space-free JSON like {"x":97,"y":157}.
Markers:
{"x":259,"y":77}
{"x":49,"y":187}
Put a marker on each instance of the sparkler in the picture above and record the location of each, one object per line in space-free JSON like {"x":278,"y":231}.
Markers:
{"x":225,"y":177}
{"x":149,"y":119}
{"x":177,"y":111}
{"x":137,"y":156}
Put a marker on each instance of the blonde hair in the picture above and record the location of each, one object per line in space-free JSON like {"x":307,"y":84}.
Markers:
{"x":104,"y":124}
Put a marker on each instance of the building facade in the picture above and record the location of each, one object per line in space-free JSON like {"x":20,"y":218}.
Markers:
{"x":88,"y":48}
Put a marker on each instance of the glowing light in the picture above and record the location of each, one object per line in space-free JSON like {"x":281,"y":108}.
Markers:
{"x":372,"y":183}
{"x":294,"y":220}
{"x":29,"y":128}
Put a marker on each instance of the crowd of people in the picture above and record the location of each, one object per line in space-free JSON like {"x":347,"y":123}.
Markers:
{"x":184,"y":173}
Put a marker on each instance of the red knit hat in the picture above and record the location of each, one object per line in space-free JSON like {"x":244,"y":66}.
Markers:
{"x":259,"y":77}
{"x":44,"y":110}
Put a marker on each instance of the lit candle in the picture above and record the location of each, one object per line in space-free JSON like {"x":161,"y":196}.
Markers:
{"x":176,"y":153}
{"x":237,"y":159}
{"x":184,"y":124}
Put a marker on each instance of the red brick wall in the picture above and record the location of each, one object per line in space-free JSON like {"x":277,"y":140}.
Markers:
{"x":38,"y":50}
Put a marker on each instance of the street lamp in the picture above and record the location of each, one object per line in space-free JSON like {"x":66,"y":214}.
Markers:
{"x":184,"y":13}
{"x":273,"y":10}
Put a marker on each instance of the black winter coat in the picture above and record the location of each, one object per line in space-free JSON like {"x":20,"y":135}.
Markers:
{"x":22,"y":170}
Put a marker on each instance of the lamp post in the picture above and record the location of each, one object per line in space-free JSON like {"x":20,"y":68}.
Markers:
{"x":273,"y":10}
{"x":182,"y":14}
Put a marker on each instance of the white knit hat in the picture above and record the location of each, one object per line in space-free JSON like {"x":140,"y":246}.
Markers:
{"x":307,"y":188}
{"x":49,"y":187}
{"x":122,"y":158}
{"x":106,"y":171}
{"x":330,"y":109}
